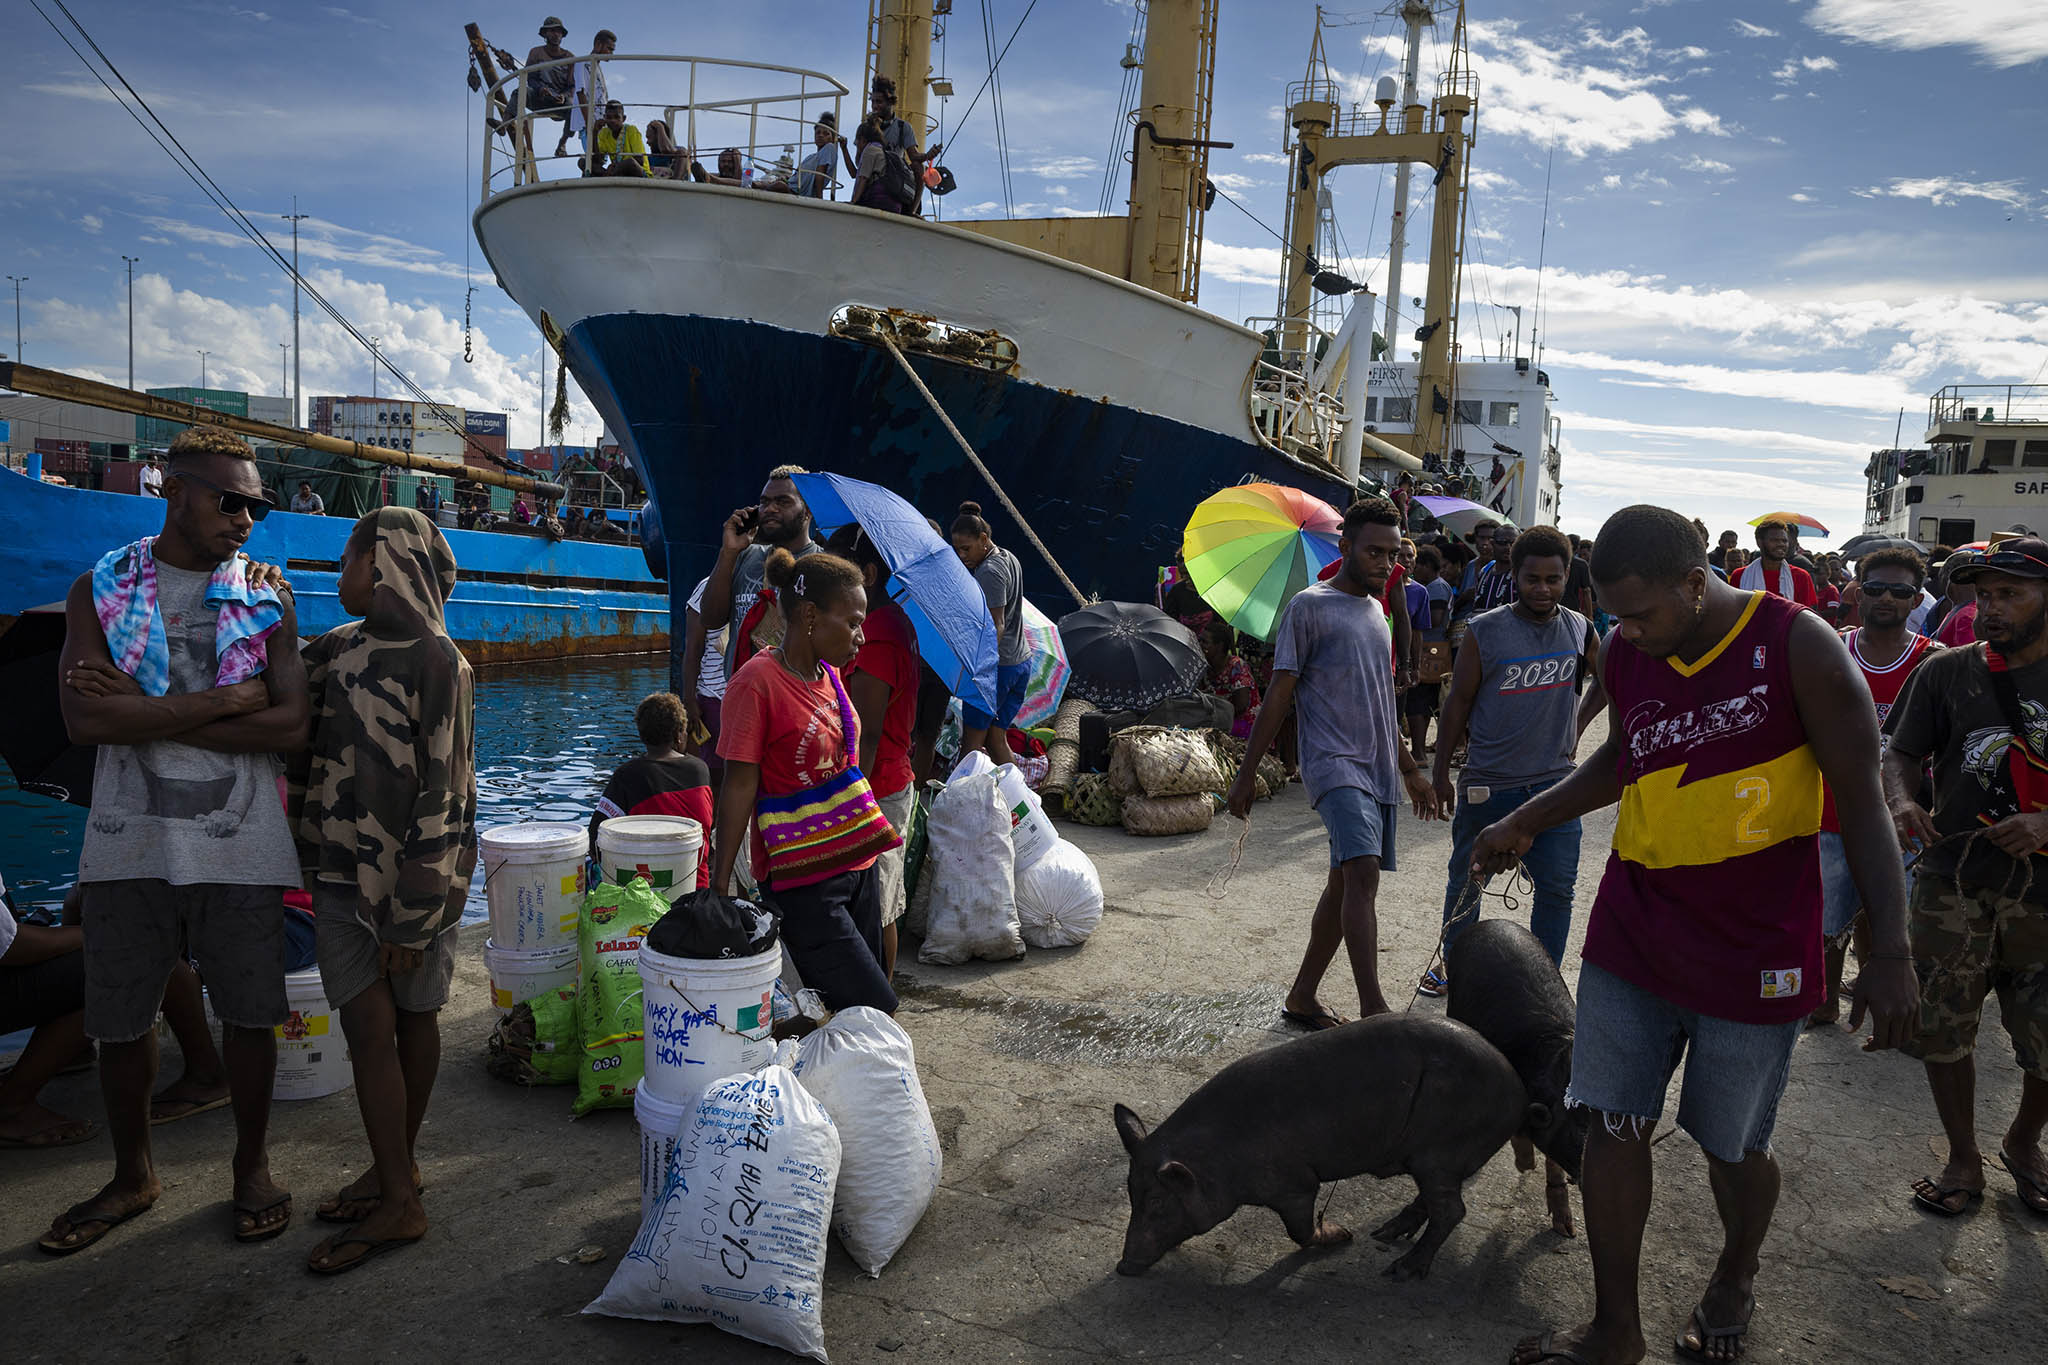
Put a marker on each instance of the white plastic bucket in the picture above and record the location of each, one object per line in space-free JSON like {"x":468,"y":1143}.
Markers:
{"x":705,"y":1019}
{"x":973,"y":764}
{"x":533,"y":878}
{"x":517,"y":976}
{"x":1031,"y":831}
{"x":660,"y":1122}
{"x":662,"y":848}
{"x":312,"y":1051}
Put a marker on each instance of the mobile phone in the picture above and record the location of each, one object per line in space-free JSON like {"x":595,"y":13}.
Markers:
{"x":752,"y":520}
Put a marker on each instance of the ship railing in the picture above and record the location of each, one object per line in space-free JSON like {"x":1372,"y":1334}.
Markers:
{"x":1988,"y":403}
{"x":706,"y":103}
{"x":1292,"y":415}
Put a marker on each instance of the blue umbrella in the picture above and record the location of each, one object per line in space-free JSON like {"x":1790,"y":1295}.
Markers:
{"x":955,"y":636}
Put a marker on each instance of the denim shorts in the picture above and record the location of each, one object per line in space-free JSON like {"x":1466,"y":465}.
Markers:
{"x":1359,"y":825}
{"x":1839,"y":898}
{"x":1013,"y":681}
{"x":1630,"y":1041}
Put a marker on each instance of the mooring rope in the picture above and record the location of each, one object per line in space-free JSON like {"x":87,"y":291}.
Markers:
{"x":983,"y":469}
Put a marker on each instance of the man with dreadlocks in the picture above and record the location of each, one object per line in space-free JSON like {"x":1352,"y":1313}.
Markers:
{"x":1979,"y":913}
{"x":386,"y":818}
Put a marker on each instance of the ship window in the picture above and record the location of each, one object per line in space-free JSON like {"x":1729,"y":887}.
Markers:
{"x":1998,"y":454}
{"x":1506,"y":415}
{"x":1468,"y":410}
{"x":1956,"y":531}
{"x":1397,"y":410}
{"x":1371,"y":407}
{"x":2035,"y":455}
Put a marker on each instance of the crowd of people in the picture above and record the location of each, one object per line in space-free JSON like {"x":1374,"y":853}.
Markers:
{"x":888,"y":170}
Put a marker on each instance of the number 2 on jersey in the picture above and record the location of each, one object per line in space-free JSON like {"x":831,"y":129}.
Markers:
{"x":1757,"y":792}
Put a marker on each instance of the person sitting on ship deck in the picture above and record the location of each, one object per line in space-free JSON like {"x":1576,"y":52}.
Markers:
{"x":817,"y":175}
{"x":668,"y":161}
{"x":548,"y":92}
{"x":618,"y":149}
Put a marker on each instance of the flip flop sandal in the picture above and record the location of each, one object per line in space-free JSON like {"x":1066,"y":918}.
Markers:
{"x":85,"y":1131}
{"x":372,"y":1248}
{"x":78,"y":1216}
{"x":342,"y":1202}
{"x":262,"y":1232}
{"x":1434,"y":984}
{"x":1315,"y":1021}
{"x":1933,"y":1198}
{"x":191,"y":1107}
{"x":1545,"y":1351}
{"x":1709,"y":1335}
{"x":2027,"y":1184}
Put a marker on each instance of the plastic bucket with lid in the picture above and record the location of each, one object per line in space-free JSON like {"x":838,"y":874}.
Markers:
{"x":533,"y":878}
{"x":312,"y":1052}
{"x":705,"y":1019}
{"x":660,"y":1122}
{"x":662,"y":848}
{"x":517,"y":976}
{"x":1031,"y":830}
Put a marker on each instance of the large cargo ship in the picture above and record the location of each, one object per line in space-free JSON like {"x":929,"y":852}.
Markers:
{"x":722,"y":329}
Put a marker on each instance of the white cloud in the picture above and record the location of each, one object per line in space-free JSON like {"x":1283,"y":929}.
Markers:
{"x":1236,"y":184}
{"x":1750,"y":438}
{"x":1701,"y":165}
{"x":1266,"y":158}
{"x":1484,"y":181}
{"x":1065,"y":167}
{"x":1820,"y":63}
{"x":320,"y":240}
{"x":1610,"y":182}
{"x":1942,"y":190}
{"x":1812,"y":388}
{"x":1800,"y":198}
{"x":1749,"y":30}
{"x":91,"y":222}
{"x":2007,"y":34}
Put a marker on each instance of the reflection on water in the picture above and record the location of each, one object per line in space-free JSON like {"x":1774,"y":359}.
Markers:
{"x":547,"y":737}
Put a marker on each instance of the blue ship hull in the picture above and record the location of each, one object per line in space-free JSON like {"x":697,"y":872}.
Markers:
{"x":517,"y":597}
{"x":706,"y":406}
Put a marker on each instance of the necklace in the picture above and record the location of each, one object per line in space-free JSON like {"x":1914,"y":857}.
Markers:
{"x":783,"y":659}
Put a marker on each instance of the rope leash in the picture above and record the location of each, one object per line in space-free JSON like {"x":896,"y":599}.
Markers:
{"x":1220,"y":878}
{"x":1518,"y":878}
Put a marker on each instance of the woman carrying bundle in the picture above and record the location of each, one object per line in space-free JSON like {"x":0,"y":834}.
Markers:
{"x":789,"y":737}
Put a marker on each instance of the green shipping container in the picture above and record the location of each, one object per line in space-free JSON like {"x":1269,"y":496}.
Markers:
{"x":155,"y":431}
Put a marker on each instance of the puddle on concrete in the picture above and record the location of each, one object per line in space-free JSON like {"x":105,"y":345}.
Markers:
{"x":1147,"y":1028}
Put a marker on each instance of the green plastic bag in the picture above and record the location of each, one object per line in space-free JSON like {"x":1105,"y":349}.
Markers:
{"x":915,"y":841}
{"x":538,"y":1042}
{"x":608,"y":1011}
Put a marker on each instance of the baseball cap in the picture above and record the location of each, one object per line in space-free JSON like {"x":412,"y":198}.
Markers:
{"x":2022,"y":557}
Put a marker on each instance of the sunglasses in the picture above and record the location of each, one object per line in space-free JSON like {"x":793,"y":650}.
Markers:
{"x":1903,"y":591}
{"x":2027,"y":564}
{"x":231,"y":504}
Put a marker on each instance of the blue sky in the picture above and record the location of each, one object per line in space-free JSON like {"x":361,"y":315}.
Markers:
{"x":1773,"y":223}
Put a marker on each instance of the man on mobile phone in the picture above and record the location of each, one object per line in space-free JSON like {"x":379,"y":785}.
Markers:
{"x":780,"y":519}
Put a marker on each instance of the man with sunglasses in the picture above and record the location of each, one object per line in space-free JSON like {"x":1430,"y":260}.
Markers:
{"x":1979,"y":912}
{"x":1887,"y":653}
{"x":187,"y":850}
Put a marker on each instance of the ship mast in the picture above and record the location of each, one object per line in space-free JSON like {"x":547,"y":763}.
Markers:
{"x":900,"y":47}
{"x":1415,"y":13}
{"x":1439,"y":136}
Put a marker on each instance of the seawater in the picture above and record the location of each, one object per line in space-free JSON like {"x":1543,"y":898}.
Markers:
{"x":547,"y":737}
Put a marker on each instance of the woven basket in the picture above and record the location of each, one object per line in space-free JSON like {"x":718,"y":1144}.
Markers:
{"x":1066,"y":722}
{"x":1123,"y":770}
{"x":1168,"y":762}
{"x":1091,"y":802}
{"x":1149,"y":815}
{"x":1063,"y":762}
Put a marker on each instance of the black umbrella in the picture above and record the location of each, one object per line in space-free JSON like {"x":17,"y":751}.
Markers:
{"x":1869,"y":543}
{"x":32,"y":737}
{"x":1128,"y":657}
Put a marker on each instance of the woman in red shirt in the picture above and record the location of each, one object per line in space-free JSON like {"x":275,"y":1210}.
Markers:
{"x":789,"y":736}
{"x":883,"y":683}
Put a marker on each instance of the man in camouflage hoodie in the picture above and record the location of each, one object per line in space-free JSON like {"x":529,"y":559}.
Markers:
{"x":386,"y":823}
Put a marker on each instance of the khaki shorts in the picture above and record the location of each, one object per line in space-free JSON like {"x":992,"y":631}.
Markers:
{"x":348,"y":952}
{"x":1966,"y":946}
{"x":889,"y":867}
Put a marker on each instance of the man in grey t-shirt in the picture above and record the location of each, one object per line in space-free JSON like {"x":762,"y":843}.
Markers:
{"x":187,"y":847}
{"x":780,"y":520}
{"x":1333,"y":662}
{"x":1514,"y":689}
{"x":1001,"y":578}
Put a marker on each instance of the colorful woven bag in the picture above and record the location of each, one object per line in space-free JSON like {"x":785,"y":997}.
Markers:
{"x":812,"y":834}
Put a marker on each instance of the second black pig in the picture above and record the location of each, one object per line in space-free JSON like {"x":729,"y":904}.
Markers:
{"x":1504,"y":985}
{"x":1395,"y":1094}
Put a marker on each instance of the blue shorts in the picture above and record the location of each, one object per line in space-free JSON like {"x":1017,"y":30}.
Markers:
{"x":1630,"y":1041}
{"x":1359,"y":825}
{"x":1839,"y":898}
{"x":1012,"y":682}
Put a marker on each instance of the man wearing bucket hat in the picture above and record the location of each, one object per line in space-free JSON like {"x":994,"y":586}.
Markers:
{"x":1979,"y":912}
{"x":550,"y":92}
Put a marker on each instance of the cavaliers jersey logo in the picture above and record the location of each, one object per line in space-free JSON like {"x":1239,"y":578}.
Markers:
{"x":1653,"y":736}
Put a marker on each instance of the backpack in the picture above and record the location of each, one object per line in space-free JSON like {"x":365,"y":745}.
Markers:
{"x":899,"y":182}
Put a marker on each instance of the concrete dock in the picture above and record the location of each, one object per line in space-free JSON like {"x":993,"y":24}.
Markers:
{"x":1015,"y":1259}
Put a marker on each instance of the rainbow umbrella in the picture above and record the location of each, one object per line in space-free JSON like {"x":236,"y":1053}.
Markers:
{"x":1799,"y":519}
{"x":1252,"y":547}
{"x":1049,"y":670}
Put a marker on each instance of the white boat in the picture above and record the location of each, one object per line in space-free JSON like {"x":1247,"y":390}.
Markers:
{"x":1985,"y":469}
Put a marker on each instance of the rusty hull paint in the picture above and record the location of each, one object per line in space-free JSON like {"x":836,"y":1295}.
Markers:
{"x":486,"y":653}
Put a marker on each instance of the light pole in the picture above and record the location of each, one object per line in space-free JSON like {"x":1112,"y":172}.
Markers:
{"x":202,"y":367}
{"x":131,"y":318}
{"x":295,"y":216}
{"x":19,"y":280}
{"x":284,"y":350}
{"x":373,"y":367}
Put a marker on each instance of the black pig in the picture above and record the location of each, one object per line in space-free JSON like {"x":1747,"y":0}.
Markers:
{"x":1390,"y":1095}
{"x":1504,"y":985}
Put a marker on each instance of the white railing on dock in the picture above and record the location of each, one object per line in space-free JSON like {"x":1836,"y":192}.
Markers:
{"x":706,"y":94}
